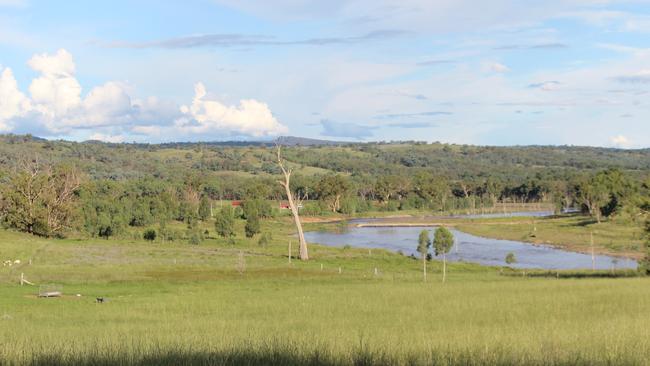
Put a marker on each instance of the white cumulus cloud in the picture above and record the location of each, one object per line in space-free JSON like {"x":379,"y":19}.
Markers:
{"x":55,"y":91}
{"x":107,"y":138}
{"x":620,"y":141}
{"x":56,"y":106}
{"x":13,"y":103}
{"x":498,"y":67}
{"x":250,"y":117}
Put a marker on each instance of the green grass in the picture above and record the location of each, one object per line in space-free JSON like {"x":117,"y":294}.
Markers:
{"x":570,"y":232}
{"x":175,"y":304}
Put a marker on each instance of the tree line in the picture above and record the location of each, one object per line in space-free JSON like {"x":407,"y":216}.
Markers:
{"x":50,"y":200}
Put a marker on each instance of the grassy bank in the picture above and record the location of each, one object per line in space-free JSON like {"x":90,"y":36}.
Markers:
{"x":571,"y":232}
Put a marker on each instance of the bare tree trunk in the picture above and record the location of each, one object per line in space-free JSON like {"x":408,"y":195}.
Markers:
{"x":424,"y":267}
{"x":593,"y":257}
{"x":444,"y":267}
{"x":304,"y":255}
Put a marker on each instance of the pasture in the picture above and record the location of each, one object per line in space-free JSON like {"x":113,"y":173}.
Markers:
{"x":216,"y":303}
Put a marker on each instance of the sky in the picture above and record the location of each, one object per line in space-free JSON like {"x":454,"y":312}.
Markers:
{"x":493,"y":72}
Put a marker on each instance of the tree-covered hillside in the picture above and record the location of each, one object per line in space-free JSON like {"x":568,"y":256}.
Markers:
{"x":50,"y":187}
{"x":128,"y":160}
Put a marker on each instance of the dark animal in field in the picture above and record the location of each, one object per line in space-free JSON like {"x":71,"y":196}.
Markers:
{"x":99,"y":300}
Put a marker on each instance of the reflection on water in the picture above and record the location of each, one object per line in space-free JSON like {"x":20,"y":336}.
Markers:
{"x":469,"y":248}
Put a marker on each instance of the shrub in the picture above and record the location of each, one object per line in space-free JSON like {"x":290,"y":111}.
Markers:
{"x":224,"y":223}
{"x":348,"y":206}
{"x":149,"y":235}
{"x":264,"y":240}
{"x":195,"y":238}
{"x":252,"y":226}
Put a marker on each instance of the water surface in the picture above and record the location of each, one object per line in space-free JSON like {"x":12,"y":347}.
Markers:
{"x":469,"y":248}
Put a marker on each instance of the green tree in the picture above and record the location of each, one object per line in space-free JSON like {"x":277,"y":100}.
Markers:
{"x":204,"y":208}
{"x":224,"y":223}
{"x":606,"y":193}
{"x":40,"y":199}
{"x":386,"y":187}
{"x":257,"y":207}
{"x":252,"y":226}
{"x":332,"y":188}
{"x":424,"y":242}
{"x":592,"y":194}
{"x":443,"y":240}
{"x":493,"y":189}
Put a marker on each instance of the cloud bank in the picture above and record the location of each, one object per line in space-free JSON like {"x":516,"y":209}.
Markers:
{"x":55,"y":106}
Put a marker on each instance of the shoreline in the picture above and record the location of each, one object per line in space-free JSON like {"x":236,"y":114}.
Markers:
{"x":390,"y":222}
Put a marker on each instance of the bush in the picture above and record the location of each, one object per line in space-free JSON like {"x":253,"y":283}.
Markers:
{"x":311,"y":209}
{"x":264,"y":240}
{"x":391,"y":206}
{"x":257,"y":207}
{"x":149,"y":235}
{"x":105,"y":232}
{"x":195,"y":238}
{"x":224,"y":223}
{"x":348,"y":206}
{"x":252,"y":226}
{"x":204,"y":208}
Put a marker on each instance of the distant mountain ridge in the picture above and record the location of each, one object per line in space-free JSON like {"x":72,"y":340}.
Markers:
{"x":304,"y":141}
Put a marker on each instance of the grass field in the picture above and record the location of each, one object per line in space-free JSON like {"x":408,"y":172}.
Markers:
{"x":176,"y":303}
{"x":572,"y":232}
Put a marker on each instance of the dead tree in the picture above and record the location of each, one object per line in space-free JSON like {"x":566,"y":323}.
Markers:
{"x":304,"y":255}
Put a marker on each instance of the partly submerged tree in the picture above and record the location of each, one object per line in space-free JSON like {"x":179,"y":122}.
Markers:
{"x":443,"y":240}
{"x":510,"y":258}
{"x":424,"y":242}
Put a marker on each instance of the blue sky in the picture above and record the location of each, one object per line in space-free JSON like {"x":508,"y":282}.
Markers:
{"x":497,"y":72}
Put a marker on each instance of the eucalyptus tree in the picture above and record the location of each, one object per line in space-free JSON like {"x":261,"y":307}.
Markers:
{"x":443,"y":241}
{"x":424,"y":242}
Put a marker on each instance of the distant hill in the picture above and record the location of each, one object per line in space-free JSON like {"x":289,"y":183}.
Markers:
{"x":304,"y":141}
{"x":118,"y":161}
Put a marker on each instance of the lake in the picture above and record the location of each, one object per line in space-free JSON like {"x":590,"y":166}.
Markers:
{"x":468,"y":248}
